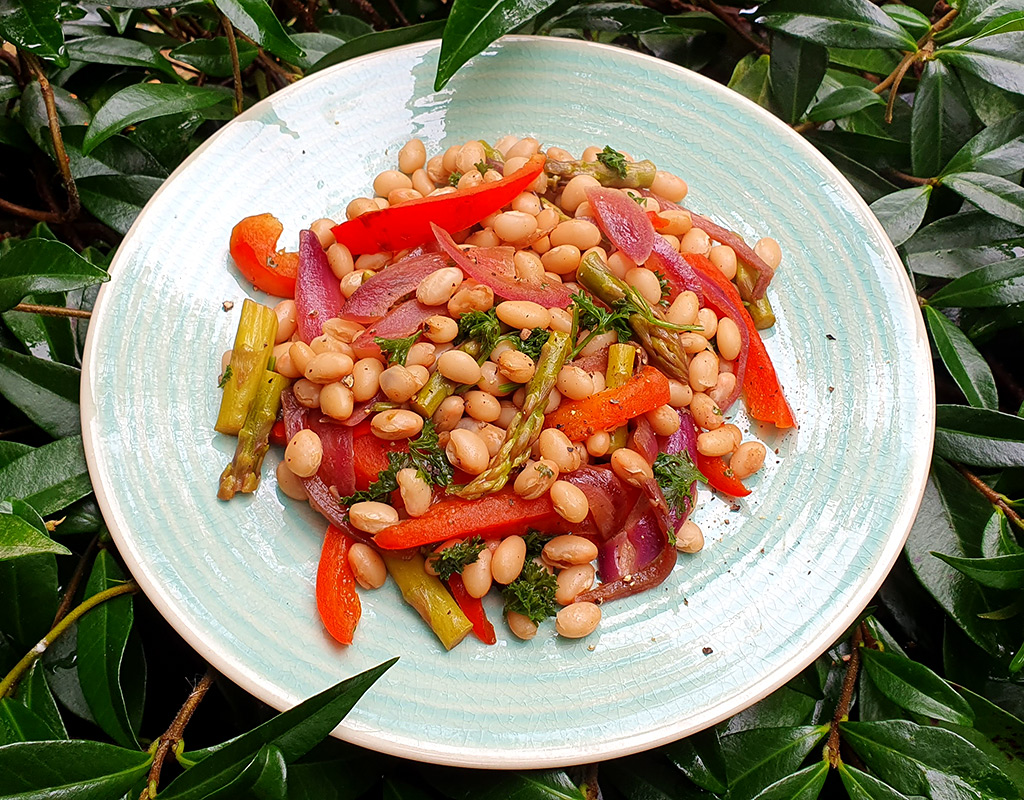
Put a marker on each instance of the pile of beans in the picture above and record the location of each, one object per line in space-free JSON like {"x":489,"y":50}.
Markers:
{"x":550,"y":226}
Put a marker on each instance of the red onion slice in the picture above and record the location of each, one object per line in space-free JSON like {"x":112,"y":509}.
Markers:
{"x":626,"y":225}
{"x":373,"y":299}
{"x":318,"y":295}
{"x":680,"y":275}
{"x":403,"y":320}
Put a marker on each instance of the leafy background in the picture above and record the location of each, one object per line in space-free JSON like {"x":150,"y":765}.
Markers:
{"x":920,"y":106}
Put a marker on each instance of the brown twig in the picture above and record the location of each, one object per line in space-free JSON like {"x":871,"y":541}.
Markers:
{"x":402,"y":19}
{"x":52,"y":311}
{"x":303,"y":12}
{"x":733,"y":23}
{"x":898,"y":74}
{"x":996,"y":499}
{"x":913,"y":180}
{"x":76,"y":579}
{"x":368,"y":11}
{"x":30,"y":213}
{"x":12,"y":62}
{"x":170,"y":738}
{"x":831,"y":751}
{"x":236,"y":67}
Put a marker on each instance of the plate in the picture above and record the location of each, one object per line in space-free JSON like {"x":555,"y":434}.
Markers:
{"x":779,"y":579}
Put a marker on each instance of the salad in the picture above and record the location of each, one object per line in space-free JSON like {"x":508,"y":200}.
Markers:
{"x":508,"y":369}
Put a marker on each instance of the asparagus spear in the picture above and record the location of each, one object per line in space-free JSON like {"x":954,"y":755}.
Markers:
{"x":243,"y":473}
{"x":618,"y":372}
{"x":639,"y":174}
{"x":428,"y":596}
{"x":254,"y":344}
{"x":760,"y":310}
{"x":438,"y":387}
{"x":525,"y":427}
{"x":659,"y":338}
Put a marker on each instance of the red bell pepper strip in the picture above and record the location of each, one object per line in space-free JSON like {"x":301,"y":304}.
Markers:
{"x":252,"y":247}
{"x":473,"y":609}
{"x":761,"y":388}
{"x":657,"y":221}
{"x":408,"y":224}
{"x":278,"y":434}
{"x":720,"y":476}
{"x":611,"y":408}
{"x":336,"y":597}
{"x":500,"y":514}
{"x":370,"y":458}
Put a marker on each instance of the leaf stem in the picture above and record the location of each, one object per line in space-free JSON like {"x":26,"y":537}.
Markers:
{"x":76,"y":579}
{"x":831,"y":752}
{"x":236,"y":67}
{"x":913,"y":180}
{"x":52,"y":311}
{"x":173,"y":735}
{"x":76,"y":614}
{"x":996,"y":499}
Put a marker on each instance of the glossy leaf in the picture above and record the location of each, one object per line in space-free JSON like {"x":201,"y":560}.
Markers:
{"x":783,"y":708}
{"x":41,"y":265}
{"x":316,"y":45}
{"x":380,"y":40}
{"x":757,"y":758}
{"x":843,"y":102}
{"x":50,"y":477}
{"x":256,"y":20}
{"x":213,"y":56}
{"x":879,"y":62}
{"x":750,"y":79}
{"x":795,"y":71}
{"x":473,"y":24}
{"x":46,"y":391}
{"x":641,"y":777}
{"x":32,"y":112}
{"x":909,"y":18}
{"x":621,"y":18}
{"x":965,"y":364}
{"x":102,"y":638}
{"x":550,"y":784}
{"x":902,"y":212}
{"x":868,"y":183}
{"x":997,"y":149}
{"x":18,"y":723}
{"x":33,"y":26}
{"x":992,"y":285}
{"x":917,"y":759}
{"x":43,"y":336}
{"x":803,"y":785}
{"x":942,"y":121}
{"x":997,"y":196}
{"x":119,"y":52}
{"x":997,"y":733}
{"x":979,"y":436}
{"x":975,"y":15}
{"x":840,"y":23}
{"x":913,"y":686}
{"x":861,"y":786}
{"x":956,"y":245}
{"x":293,"y":732}
{"x":28,"y":595}
{"x":19,"y":538}
{"x":61,"y":664}
{"x":1000,"y":572}
{"x":995,"y":59}
{"x":117,"y":199}
{"x":334,"y":770}
{"x":35,"y":694}
{"x":701,"y":759}
{"x":70,"y":769}
{"x":145,"y":101}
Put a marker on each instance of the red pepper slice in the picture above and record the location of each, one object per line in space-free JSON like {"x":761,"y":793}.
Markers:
{"x":278,"y":434}
{"x":252,"y":247}
{"x":336,"y":597}
{"x":500,"y":514}
{"x":473,"y":609}
{"x":761,"y":388}
{"x":657,"y":221}
{"x":408,"y":224}
{"x":720,"y":476}
{"x":608,"y":409}
{"x":370,"y":458}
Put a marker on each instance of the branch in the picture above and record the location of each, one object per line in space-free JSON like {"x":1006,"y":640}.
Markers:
{"x":30,"y":213}
{"x":236,"y":68}
{"x":737,"y":27}
{"x":53,"y":311}
{"x":173,"y":735}
{"x":76,"y":580}
{"x":130,"y":587}
{"x":996,"y":499}
{"x":845,"y":698}
{"x":368,"y":11}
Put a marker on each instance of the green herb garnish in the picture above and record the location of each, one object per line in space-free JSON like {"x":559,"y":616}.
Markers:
{"x":532,"y":594}
{"x":454,"y":178}
{"x":456,"y":558}
{"x":224,"y":378}
{"x":535,"y":541}
{"x":397,"y":350}
{"x":532,"y":344}
{"x":677,"y":476}
{"x":482,"y":326}
{"x":614,"y":160}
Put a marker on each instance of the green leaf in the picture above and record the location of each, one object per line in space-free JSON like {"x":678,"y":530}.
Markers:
{"x":380,"y":40}
{"x":551,"y":784}
{"x":915,"y":687}
{"x":46,"y":391}
{"x":843,"y":102}
{"x":839,"y":23}
{"x":644,"y":777}
{"x":997,"y":149}
{"x":783,"y":708}
{"x":998,"y":196}
{"x":757,"y":758}
{"x":803,"y":785}
{"x":910,"y":19}
{"x":19,"y":538}
{"x":32,"y":25}
{"x":117,"y":199}
{"x":474,"y":24}
{"x":942,"y":121}
{"x":795,"y":70}
{"x":41,"y":335}
{"x":48,"y":478}
{"x":956,"y":245}
{"x":41,"y":265}
{"x":18,"y":723}
{"x":394,"y":789}
{"x":334,"y":770}
{"x":979,"y":436}
{"x":70,"y":769}
{"x":61,"y":664}
{"x":917,"y":759}
{"x":9,"y":88}
{"x":32,"y":112}
{"x":992,"y":285}
{"x":145,"y":101}
{"x":701,"y":759}
{"x":293,"y":732}
{"x":879,"y":62}
{"x":965,"y":364}
{"x":119,"y":52}
{"x":995,"y":59}
{"x":902,"y":212}
{"x":750,"y":79}
{"x":997,"y":733}
{"x":861,"y":786}
{"x":316,"y":45}
{"x":256,"y":20}
{"x":868,"y":183}
{"x":35,"y":694}
{"x":213,"y":56}
{"x":621,"y":18}
{"x":28,"y":595}
{"x":102,"y":638}
{"x":1000,"y":572}
{"x":975,"y":15}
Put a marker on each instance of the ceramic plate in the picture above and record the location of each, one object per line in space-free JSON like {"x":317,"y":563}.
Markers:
{"x":780,"y":577}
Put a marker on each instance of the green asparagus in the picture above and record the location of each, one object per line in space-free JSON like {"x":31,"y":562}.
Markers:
{"x":243,"y":473}
{"x":760,"y":310}
{"x":438,"y":387}
{"x":638,"y":174}
{"x":428,"y":596}
{"x":254,"y":344}
{"x":618,"y":372}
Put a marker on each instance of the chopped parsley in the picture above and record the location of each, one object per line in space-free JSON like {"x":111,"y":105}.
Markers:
{"x":535,"y":541}
{"x":482,"y":167}
{"x":614,"y":160}
{"x":482,"y":326}
{"x":677,"y":476}
{"x":454,"y":178}
{"x":532,"y":344}
{"x":666,"y":289}
{"x":532,"y":594}
{"x":456,"y":558}
{"x":397,"y":350}
{"x":588,"y":314}
{"x":225,"y":378}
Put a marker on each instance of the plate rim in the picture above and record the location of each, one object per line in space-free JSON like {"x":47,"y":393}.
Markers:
{"x":490,"y":758}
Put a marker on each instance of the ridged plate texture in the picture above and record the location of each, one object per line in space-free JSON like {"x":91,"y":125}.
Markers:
{"x":780,"y":577}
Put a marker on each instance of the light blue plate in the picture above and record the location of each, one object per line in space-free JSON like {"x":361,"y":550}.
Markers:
{"x":778,"y":580}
